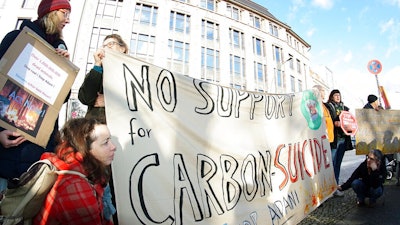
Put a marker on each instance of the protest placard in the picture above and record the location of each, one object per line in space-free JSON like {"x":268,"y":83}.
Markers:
{"x":194,"y":152}
{"x":377,"y":130}
{"x":34,"y":82}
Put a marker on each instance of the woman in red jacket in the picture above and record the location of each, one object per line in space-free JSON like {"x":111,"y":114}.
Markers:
{"x":85,"y":147}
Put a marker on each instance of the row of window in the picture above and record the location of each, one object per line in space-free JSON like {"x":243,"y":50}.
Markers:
{"x":143,"y":44}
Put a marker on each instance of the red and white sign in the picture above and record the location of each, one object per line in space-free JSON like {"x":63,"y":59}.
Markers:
{"x":348,"y":123}
{"x":374,"y":66}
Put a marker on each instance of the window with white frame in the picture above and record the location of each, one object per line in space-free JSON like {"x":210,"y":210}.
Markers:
{"x":96,"y":41}
{"x":145,"y":15}
{"x":273,"y":30}
{"x":298,"y":66}
{"x":292,"y":84}
{"x":300,"y":85}
{"x":279,"y":78}
{"x":277,"y":53}
{"x":258,"y":46}
{"x":210,"y":64}
{"x":255,"y":21}
{"x":178,"y":51}
{"x":260,"y":76}
{"x":291,"y":60}
{"x":233,"y":12}
{"x":142,"y":44}
{"x":237,"y":68}
{"x":109,"y":9}
{"x":208,"y":4}
{"x":179,"y":22}
{"x":289,"y":40}
{"x":178,"y":56}
{"x":236,"y":38}
{"x":209,"y":30}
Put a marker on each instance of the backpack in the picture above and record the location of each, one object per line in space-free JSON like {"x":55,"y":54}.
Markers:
{"x":25,"y":196}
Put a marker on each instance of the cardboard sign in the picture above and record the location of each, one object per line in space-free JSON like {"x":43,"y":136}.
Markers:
{"x":378,"y":130}
{"x":34,"y":83}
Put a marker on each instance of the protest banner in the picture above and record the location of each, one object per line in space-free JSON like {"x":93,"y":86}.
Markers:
{"x":377,"y":130}
{"x":194,"y":152}
{"x":34,"y":83}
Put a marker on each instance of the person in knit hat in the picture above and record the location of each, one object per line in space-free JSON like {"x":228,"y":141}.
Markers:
{"x":16,"y":153}
{"x":373,"y":103}
{"x":342,"y":142}
{"x":47,"y":6}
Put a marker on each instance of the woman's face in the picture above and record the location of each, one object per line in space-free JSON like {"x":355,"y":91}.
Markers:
{"x":63,"y":17}
{"x":112,"y":43}
{"x":336,"y":97}
{"x":102,"y":148}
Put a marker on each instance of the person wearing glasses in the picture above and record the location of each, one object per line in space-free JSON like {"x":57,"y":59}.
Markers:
{"x":91,"y":94}
{"x":91,"y":90}
{"x":16,"y":153}
{"x":367,"y":179}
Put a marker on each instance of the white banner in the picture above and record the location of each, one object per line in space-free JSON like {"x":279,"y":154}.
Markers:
{"x":194,"y":152}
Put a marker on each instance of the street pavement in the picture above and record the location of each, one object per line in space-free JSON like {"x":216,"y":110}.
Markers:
{"x":344,"y":211}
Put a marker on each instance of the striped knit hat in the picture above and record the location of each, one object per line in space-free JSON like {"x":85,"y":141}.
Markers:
{"x":47,"y":6}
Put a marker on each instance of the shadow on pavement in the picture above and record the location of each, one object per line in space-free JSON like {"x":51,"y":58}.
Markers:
{"x":344,"y":211}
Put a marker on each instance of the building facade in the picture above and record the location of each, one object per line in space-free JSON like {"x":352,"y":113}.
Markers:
{"x":235,"y":43}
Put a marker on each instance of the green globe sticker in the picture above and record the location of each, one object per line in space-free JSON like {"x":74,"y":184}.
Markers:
{"x":311,"y":110}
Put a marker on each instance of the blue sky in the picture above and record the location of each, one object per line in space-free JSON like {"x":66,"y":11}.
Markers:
{"x":344,"y":36}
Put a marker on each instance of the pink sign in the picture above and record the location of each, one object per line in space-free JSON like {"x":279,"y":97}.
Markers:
{"x":348,"y":123}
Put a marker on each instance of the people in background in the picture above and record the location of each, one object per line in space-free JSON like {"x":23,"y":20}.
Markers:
{"x":85,"y":147}
{"x":17,"y":154}
{"x":341,"y":141}
{"x":91,"y":90}
{"x":367,"y":179}
{"x":319,"y":91}
{"x":91,"y":94}
{"x":373,"y":103}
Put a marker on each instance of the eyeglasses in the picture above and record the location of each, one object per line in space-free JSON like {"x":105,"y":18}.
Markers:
{"x":111,"y":44}
{"x":66,"y":13}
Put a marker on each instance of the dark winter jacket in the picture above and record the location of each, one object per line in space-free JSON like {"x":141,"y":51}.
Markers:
{"x":335,"y":109}
{"x":374,"y":179}
{"x":16,"y":160}
{"x":368,"y":106}
{"x":88,"y":92}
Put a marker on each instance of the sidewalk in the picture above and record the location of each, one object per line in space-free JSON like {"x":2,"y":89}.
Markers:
{"x":344,"y":211}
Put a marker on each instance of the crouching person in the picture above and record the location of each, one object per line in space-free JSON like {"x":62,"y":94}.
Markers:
{"x":367,"y":180}
{"x":86,"y":147}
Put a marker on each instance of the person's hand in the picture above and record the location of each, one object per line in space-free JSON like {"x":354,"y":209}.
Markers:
{"x":62,"y":52}
{"x":10,"y":138}
{"x":99,"y":100}
{"x":373,"y":166}
{"x":339,"y":188}
{"x":98,"y":57}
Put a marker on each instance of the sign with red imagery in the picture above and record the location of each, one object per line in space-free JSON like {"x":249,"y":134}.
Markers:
{"x":348,"y":123}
